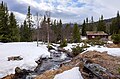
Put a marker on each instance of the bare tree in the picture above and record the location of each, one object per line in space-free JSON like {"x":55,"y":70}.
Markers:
{"x":48,"y":26}
{"x":38,"y":24}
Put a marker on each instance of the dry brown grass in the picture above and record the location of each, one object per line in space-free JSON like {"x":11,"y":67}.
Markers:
{"x":51,"y":73}
{"x":112,"y":63}
{"x":113,"y":45}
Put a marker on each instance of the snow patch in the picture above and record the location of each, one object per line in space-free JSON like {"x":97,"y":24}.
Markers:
{"x":83,"y":38}
{"x":73,"y":73}
{"x":63,"y":56}
{"x":111,"y":51}
{"x":27,"y":50}
{"x":72,"y":45}
{"x":110,"y":42}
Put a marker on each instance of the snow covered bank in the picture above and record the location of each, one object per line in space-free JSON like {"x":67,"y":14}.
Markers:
{"x":72,"y":45}
{"x":27,"y":50}
{"x":111,"y":51}
{"x":70,"y":74}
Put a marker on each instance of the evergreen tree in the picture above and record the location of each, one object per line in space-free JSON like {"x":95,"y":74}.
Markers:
{"x":67,"y":31}
{"x":54,"y":28}
{"x":115,"y":26}
{"x":24,"y":32}
{"x":84,"y":29}
{"x":4,"y":23}
{"x":92,"y":27}
{"x":30,"y":23}
{"x":76,"y":33}
{"x":59,"y":29}
{"x":101,"y":25}
{"x":87,"y":25}
{"x":14,"y":30}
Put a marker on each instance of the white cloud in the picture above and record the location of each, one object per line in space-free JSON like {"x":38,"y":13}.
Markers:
{"x":69,"y":10}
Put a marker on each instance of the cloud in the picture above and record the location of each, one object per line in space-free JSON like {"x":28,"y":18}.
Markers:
{"x":67,"y":10}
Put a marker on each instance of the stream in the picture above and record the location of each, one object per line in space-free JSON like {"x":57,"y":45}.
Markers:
{"x":54,"y":62}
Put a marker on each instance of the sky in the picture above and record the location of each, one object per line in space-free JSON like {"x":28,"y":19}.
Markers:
{"x":70,"y":11}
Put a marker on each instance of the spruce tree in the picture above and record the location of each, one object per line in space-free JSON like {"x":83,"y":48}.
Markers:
{"x":92,"y":27}
{"x":67,"y":31}
{"x":59,"y":31}
{"x":54,"y":28}
{"x":30,"y":23}
{"x":76,"y":33}
{"x":87,"y":24}
{"x":84,"y":29}
{"x":24,"y":31}
{"x":4,"y":23}
{"x":101,"y":25}
{"x":14,"y":30}
{"x":115,"y":27}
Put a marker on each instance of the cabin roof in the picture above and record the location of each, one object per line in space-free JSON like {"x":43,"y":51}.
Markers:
{"x":96,"y":33}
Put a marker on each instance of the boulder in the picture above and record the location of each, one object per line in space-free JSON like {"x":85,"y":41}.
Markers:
{"x":13,"y":58}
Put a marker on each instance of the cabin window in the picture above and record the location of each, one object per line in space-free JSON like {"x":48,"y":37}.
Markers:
{"x":93,"y":36}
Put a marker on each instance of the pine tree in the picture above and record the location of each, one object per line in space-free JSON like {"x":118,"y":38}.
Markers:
{"x":30,"y":23}
{"x":24,"y":31}
{"x":92,"y":27}
{"x":76,"y":33}
{"x":14,"y":30}
{"x":117,"y":24}
{"x":54,"y":28}
{"x":59,"y":31}
{"x":101,"y":25}
{"x":115,"y":27}
{"x":84,"y":29}
{"x":1,"y":19}
{"x":4,"y":23}
{"x":67,"y":31}
{"x":87,"y":25}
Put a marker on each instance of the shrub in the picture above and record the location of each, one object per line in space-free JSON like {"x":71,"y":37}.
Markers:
{"x":116,"y":38}
{"x":119,"y":70}
{"x":95,"y":42}
{"x":50,"y":47}
{"x":64,"y":43}
{"x":76,"y":50}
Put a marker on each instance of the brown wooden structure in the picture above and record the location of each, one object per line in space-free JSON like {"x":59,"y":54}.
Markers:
{"x":96,"y":34}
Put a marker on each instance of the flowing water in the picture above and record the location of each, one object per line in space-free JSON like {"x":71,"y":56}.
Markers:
{"x":54,"y":62}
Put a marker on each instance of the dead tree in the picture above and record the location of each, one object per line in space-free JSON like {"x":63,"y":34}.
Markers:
{"x":48,"y":26}
{"x":38,"y":24}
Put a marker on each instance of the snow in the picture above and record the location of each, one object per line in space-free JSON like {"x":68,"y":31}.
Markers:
{"x":30,"y":53}
{"x":27,"y":50}
{"x":63,"y":56}
{"x":110,"y":42}
{"x":111,"y":51}
{"x":83,"y":38}
{"x":73,"y":73}
{"x":72,"y":45}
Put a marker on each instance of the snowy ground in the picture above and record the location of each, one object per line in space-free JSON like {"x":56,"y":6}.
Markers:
{"x":72,"y":45}
{"x":28,"y":50}
{"x":111,"y":51}
{"x":74,"y":73}
{"x":70,"y":74}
